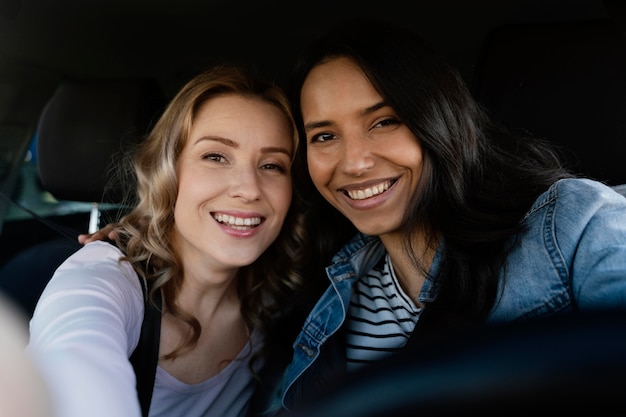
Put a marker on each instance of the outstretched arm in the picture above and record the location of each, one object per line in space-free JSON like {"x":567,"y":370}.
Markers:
{"x":83,"y":331}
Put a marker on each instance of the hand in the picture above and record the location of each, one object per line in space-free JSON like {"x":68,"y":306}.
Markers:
{"x":107,"y":232}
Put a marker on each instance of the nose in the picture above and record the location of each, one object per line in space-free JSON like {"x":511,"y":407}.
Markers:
{"x":357,"y":155}
{"x":245,"y":184}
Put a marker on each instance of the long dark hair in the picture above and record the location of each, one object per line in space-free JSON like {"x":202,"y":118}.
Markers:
{"x":479,"y":179}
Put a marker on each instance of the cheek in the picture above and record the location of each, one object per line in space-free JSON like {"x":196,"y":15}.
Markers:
{"x":184,"y":188}
{"x":190,"y":188}
{"x":197,"y":187}
{"x":407,"y":154}
{"x":416,"y":162}
{"x":280,"y":195}
{"x":281,"y":202}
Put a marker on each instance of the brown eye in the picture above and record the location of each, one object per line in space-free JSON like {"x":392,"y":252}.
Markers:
{"x":387,"y":122}
{"x":216,"y":157}
{"x":273,"y":167}
{"x":322,"y":137}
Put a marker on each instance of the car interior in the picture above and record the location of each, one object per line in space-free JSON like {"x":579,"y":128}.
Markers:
{"x":81,"y":82}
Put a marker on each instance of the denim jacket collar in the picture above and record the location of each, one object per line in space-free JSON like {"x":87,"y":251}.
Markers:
{"x":362,"y":253}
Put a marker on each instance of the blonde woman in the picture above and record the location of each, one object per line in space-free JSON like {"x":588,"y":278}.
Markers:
{"x":214,"y":233}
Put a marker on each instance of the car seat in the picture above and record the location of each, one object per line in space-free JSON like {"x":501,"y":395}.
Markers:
{"x":83,"y":130}
{"x":563,"y":82}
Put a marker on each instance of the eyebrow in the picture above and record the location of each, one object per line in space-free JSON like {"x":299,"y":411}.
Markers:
{"x":275,"y":149}
{"x":364,"y":112}
{"x":219,"y":139}
{"x":233,"y":144}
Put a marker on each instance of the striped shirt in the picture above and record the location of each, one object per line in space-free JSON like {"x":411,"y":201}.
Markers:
{"x":381,"y":316}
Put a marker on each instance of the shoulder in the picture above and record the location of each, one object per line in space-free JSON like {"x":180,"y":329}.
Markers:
{"x":94,"y":292}
{"x":98,"y":251}
{"x":96,"y":256}
{"x":567,"y":186}
{"x":575,"y":212}
{"x":98,"y":266}
{"x":581,"y":194}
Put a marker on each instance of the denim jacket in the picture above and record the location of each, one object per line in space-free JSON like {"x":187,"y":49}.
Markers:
{"x":571,"y":256}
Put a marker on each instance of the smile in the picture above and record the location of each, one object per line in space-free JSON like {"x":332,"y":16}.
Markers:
{"x":237,"y":223}
{"x":369,"y":192}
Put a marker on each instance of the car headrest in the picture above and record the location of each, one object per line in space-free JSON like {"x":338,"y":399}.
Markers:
{"x":84,"y":128}
{"x":564,"y":82}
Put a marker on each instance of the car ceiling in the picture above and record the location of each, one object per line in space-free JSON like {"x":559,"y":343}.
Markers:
{"x":170,"y":40}
{"x":43,"y":42}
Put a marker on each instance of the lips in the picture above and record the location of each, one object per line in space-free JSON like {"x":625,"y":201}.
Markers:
{"x":365,"y":193}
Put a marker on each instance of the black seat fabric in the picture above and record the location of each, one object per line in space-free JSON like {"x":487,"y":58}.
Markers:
{"x":565,"y":82}
{"x":82,"y":131}
{"x":24,"y":276}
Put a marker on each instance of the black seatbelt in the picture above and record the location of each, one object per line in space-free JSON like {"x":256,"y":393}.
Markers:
{"x":146,"y":355}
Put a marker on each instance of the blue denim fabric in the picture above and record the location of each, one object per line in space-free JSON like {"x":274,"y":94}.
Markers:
{"x":572,"y":256}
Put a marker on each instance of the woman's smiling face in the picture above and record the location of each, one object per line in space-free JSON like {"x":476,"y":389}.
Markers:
{"x":235,"y":184}
{"x":361,"y":157}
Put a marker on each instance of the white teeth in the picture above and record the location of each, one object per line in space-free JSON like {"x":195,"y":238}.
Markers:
{"x":237,"y":222}
{"x":369,"y":192}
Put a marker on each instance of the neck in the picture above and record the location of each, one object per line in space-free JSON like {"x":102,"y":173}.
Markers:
{"x":410,"y":276}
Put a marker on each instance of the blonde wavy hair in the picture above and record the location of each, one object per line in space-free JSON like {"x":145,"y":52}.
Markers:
{"x":144,"y":233}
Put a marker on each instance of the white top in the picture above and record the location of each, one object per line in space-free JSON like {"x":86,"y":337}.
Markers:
{"x":83,"y":331}
{"x":381,"y":316}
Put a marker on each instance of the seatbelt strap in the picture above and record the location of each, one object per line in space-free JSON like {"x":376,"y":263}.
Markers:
{"x":146,"y":355}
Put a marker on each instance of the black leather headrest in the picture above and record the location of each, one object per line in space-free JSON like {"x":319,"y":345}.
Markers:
{"x":83,"y":129}
{"x":565,"y":82}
